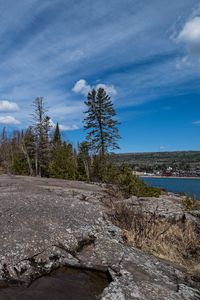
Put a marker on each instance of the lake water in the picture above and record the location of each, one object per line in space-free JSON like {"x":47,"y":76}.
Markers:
{"x":176,"y":185}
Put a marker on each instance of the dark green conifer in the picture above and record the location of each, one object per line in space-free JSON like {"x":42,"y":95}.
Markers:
{"x":62,"y":163}
{"x":100,"y":122}
{"x":57,"y":135}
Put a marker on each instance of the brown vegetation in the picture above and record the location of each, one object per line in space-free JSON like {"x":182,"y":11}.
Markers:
{"x":191,"y":203}
{"x":177,"y":242}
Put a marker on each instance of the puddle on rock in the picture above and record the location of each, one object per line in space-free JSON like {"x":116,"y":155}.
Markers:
{"x":61,"y":284}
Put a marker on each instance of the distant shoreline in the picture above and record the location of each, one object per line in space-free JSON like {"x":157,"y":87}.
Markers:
{"x":168,"y":177}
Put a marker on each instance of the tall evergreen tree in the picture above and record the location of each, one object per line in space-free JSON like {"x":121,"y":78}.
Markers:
{"x":102,"y":127}
{"x":41,"y":130}
{"x":57,"y":135}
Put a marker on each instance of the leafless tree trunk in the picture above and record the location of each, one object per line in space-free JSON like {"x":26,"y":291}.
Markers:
{"x":23,"y":147}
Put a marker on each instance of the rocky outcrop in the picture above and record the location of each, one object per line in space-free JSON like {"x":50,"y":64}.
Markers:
{"x":46,"y":223}
{"x":169,"y":206}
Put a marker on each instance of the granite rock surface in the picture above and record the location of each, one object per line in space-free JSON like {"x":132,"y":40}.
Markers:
{"x":46,"y":223}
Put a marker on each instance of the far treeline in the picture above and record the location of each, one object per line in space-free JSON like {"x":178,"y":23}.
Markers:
{"x":150,"y":161}
{"x":40,"y":151}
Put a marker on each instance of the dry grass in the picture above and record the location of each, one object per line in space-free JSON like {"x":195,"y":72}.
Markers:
{"x":179,"y":243}
{"x":191,"y":203}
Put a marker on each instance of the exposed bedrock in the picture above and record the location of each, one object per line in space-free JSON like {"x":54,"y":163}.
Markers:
{"x":46,"y":223}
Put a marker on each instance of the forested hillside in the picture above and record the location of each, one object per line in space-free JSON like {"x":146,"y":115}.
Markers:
{"x":181,"y":159}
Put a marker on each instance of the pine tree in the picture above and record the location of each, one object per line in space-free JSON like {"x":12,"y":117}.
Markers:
{"x":62,"y":164}
{"x":100,"y":123}
{"x":57,"y":135}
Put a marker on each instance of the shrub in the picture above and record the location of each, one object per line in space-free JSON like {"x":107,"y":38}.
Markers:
{"x":131,"y":184}
{"x":191,"y":203}
{"x":179,"y":242}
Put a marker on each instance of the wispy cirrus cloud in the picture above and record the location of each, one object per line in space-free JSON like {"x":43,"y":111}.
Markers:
{"x":48,"y":46}
{"x":196,"y":122}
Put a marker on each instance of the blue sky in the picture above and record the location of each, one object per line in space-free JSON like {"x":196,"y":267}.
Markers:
{"x":145,"y":53}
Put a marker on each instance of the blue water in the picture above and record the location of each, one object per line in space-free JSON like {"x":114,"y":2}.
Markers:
{"x":176,"y":185}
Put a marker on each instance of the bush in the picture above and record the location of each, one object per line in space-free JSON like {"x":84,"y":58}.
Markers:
{"x":19,"y":164}
{"x":103,"y":170}
{"x":191,"y":203}
{"x":179,"y":242}
{"x":62,"y":163}
{"x":131,"y":184}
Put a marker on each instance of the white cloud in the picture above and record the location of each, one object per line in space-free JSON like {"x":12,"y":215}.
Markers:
{"x":9,"y":120}
{"x":94,"y":49}
{"x":65,"y":127}
{"x":69,"y":127}
{"x":196,"y":122}
{"x":190,"y":35}
{"x":82,"y":87}
{"x":191,"y":31}
{"x":6,"y":105}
